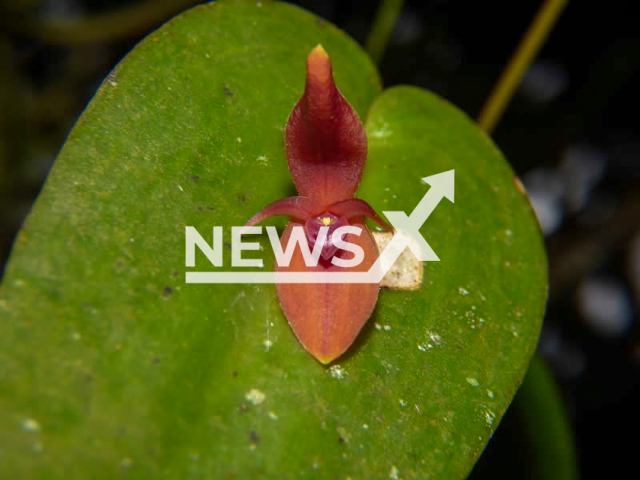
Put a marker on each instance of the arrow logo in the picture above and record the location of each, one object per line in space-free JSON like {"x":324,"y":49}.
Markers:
{"x":408,"y":228}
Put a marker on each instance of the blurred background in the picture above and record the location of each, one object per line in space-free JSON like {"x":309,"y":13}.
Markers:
{"x":570,"y":132}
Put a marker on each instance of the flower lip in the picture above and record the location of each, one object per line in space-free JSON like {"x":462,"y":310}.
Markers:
{"x":312,"y":229}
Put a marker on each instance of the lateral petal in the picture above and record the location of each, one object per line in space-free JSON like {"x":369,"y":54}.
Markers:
{"x":295,"y":207}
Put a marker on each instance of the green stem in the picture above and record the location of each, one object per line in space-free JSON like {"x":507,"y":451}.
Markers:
{"x":382,"y":28}
{"x":522,"y":58}
{"x":549,"y":436}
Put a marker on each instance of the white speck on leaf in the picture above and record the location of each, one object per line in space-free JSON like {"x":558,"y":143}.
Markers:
{"x":30,"y":425}
{"x":514,"y":331}
{"x":489,"y":417}
{"x":463,"y":291}
{"x":381,"y":132}
{"x":338,"y":372}
{"x":473,"y":382}
{"x":394,"y":474}
{"x":435,"y":340}
{"x":255,"y":396}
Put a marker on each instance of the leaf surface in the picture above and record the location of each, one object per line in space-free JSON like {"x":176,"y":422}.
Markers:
{"x":111,"y":364}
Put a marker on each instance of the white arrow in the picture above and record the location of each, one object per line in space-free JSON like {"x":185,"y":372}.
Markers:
{"x":442,"y":185}
{"x":408,"y":227}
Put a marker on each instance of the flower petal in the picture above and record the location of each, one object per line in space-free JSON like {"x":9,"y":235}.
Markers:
{"x":355,"y":207}
{"x":326,"y":318}
{"x":294,"y":207}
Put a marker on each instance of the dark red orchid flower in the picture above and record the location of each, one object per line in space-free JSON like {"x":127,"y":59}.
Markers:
{"x":326,"y":149}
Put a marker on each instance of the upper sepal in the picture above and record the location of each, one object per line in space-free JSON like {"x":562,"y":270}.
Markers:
{"x":325,"y":141}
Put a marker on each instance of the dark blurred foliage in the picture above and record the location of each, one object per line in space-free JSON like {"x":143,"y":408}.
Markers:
{"x":570,"y":132}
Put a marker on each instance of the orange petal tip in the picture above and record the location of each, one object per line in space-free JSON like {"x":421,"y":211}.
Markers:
{"x":319,"y":66}
{"x":319,"y":51}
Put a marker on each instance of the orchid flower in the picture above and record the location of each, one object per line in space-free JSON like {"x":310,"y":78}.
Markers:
{"x":326,"y":149}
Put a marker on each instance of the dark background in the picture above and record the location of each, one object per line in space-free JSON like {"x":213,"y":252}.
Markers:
{"x":570,"y":132}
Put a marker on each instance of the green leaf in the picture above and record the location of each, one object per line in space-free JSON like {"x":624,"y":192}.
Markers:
{"x":112,"y":364}
{"x":540,"y":413}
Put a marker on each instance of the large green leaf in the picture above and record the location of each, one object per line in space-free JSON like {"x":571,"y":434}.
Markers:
{"x":109,"y":362}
